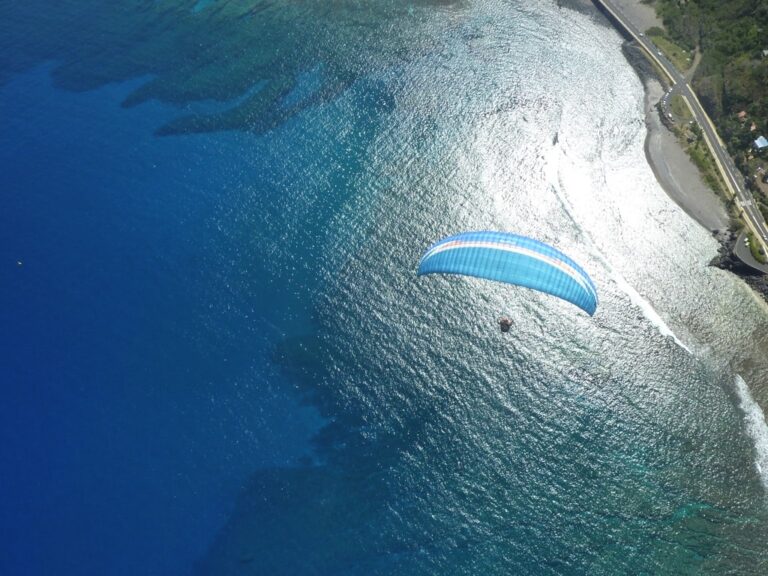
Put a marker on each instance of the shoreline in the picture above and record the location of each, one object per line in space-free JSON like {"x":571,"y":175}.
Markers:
{"x":676,"y":173}
{"x":673,"y":169}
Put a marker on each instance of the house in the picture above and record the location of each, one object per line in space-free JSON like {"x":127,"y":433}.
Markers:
{"x":742,"y":115}
{"x":761,"y":143}
{"x":753,"y":127}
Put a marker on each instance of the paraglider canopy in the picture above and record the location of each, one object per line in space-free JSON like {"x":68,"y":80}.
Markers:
{"x":512,"y":259}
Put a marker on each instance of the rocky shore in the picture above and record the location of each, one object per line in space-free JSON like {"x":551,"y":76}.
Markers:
{"x":726,"y":259}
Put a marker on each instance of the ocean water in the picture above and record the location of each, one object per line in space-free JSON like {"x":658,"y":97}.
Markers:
{"x":216,"y":356}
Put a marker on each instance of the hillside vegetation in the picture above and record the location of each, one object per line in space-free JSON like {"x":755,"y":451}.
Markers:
{"x":733,"y":73}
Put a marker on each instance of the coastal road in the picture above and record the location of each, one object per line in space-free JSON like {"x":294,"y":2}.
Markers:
{"x":742,"y":251}
{"x":734,"y":180}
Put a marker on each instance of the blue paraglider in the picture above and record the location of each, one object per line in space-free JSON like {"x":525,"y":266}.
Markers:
{"x":512,"y":259}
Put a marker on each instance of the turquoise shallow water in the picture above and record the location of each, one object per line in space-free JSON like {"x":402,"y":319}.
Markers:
{"x":262,"y":385}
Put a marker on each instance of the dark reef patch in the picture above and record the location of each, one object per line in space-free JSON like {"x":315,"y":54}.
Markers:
{"x":217,"y":52}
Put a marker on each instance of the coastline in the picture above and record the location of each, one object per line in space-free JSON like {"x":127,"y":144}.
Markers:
{"x":675,"y":172}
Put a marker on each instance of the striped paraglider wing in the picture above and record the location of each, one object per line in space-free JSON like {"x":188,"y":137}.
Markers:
{"x":513,"y":259}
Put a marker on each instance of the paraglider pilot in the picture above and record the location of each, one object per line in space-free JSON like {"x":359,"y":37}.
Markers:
{"x":505,"y":324}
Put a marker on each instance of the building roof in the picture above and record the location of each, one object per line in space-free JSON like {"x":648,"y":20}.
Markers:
{"x":742,"y":115}
{"x":761,"y":143}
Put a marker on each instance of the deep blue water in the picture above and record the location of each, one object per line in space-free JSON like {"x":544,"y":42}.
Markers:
{"x":137,"y":396}
{"x":216,"y":357}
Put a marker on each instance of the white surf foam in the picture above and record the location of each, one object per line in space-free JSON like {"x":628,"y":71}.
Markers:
{"x":757,"y":429}
{"x":648,"y":311}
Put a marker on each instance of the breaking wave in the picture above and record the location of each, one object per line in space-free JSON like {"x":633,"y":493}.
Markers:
{"x":648,"y":311}
{"x":756,"y":428}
